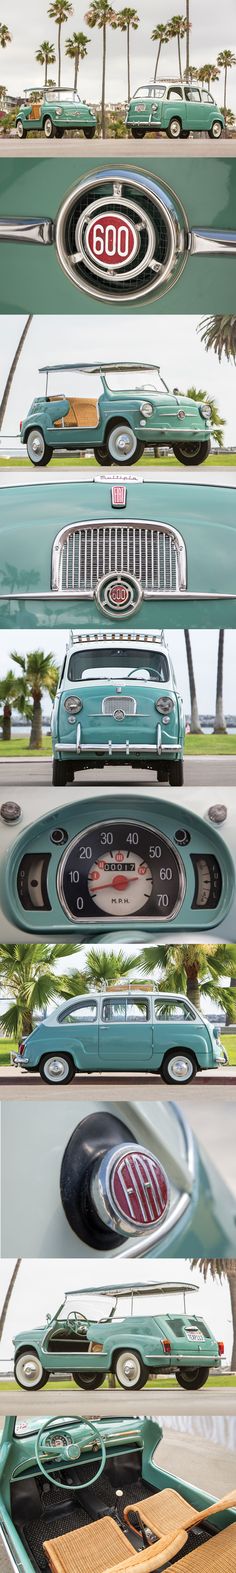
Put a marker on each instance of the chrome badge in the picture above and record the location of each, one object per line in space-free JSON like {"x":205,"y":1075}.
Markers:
{"x":130,"y":1190}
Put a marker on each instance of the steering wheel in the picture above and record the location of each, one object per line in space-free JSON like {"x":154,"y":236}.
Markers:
{"x":75,"y":1320}
{"x":68,"y":1451}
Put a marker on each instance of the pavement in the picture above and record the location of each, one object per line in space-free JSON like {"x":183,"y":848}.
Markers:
{"x":219,"y":771}
{"x":113,"y":147}
{"x":27,"y":475}
{"x":112,"y":1087}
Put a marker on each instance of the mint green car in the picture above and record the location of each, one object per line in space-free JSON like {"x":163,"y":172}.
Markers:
{"x":122,"y":1030}
{"x":134,"y":1346}
{"x":132,"y":409}
{"x":54,"y":110}
{"x":118,"y":703}
{"x":127,"y":1498}
{"x":175,"y":107}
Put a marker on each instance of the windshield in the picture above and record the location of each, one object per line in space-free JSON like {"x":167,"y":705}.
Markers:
{"x":156,"y":91}
{"x":27,"y":1427}
{"x":63,"y":95}
{"x":68,"y":383}
{"x":153,"y":668}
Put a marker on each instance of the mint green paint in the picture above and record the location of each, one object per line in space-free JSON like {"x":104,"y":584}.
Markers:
{"x":156,"y":106}
{"x":113,"y":1031}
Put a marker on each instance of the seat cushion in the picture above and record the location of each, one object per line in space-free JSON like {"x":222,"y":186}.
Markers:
{"x":91,"y":1549}
{"x":35,"y":112}
{"x":218,"y":1555}
{"x":164,"y":1512}
{"x":82,"y":413}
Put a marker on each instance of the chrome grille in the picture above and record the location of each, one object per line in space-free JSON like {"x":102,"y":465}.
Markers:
{"x":128,"y":705}
{"x":87,"y":553}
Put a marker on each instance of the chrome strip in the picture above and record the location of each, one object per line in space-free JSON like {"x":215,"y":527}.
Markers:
{"x":39,"y":230}
{"x":142,"y":1247}
{"x":14,"y":1557}
{"x":212,"y":241}
{"x":117,"y":748}
{"x":84,"y":595}
{"x":152,"y":525}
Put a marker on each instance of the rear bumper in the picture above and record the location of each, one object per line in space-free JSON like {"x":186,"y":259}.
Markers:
{"x":124,"y":748}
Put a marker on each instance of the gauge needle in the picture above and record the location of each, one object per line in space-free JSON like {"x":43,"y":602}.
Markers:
{"x":119,"y":882}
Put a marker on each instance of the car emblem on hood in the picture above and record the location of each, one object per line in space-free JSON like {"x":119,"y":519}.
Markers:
{"x":118,"y":593}
{"x":121,"y":235}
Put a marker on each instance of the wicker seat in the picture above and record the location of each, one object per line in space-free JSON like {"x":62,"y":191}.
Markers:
{"x":88,"y":1550}
{"x":35,"y":112}
{"x":164,"y":1512}
{"x":81,"y":413}
{"x":217,"y":1556}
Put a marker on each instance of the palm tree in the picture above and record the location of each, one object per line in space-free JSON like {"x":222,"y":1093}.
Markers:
{"x":177,"y":28}
{"x":5,"y":36}
{"x":160,"y":36}
{"x":29,"y":979}
{"x":8,"y":689}
{"x":208,"y":74}
{"x":46,"y":57}
{"x":191,"y":74}
{"x":219,"y":722}
{"x":8,"y":1295}
{"x":219,"y":1267}
{"x":60,"y":10}
{"x":76,"y":49}
{"x":188,"y":25}
{"x":125,"y":20}
{"x":217,"y":421}
{"x":195,"y":720}
{"x":193,"y":970}
{"x":38,"y":672}
{"x":11,"y":373}
{"x":103,"y":970}
{"x":226,"y":59}
{"x":102,"y":15}
{"x":219,"y":334}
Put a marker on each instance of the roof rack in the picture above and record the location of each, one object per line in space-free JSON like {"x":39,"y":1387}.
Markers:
{"x":116,"y":637}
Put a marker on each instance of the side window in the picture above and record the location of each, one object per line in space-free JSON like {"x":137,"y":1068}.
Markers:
{"x":193,"y":95}
{"x":171,"y":1010}
{"x":137,"y":1010}
{"x":81,"y":1013}
{"x":174,"y":93}
{"x":113,"y":1010}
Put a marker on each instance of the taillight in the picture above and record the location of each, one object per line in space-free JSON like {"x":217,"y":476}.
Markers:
{"x":21,"y":1047}
{"x":221,"y":1348}
{"x":166,"y":1346}
{"x":21,"y":424}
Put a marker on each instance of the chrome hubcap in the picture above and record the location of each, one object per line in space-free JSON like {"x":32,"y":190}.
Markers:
{"x":175,"y":128}
{"x":29,"y":1370}
{"x":122,"y":444}
{"x":35,"y":446}
{"x":56,"y":1069}
{"x":128,"y":1370}
{"x":180,"y":1068}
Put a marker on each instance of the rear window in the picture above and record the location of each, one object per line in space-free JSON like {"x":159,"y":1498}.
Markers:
{"x":80,"y":1013}
{"x":173,"y":1010}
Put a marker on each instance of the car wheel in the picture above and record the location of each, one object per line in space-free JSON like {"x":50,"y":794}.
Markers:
{"x":48,"y":127}
{"x":193,"y":453}
{"x":176,"y":773}
{"x":193,"y":1378}
{"x":59,"y":773}
{"x":178,"y":1067}
{"x":123,"y":446}
{"x":138,"y":131}
{"x":89,"y":132}
{"x":87,"y":1380}
{"x":56,"y":1068}
{"x":216,"y":130}
{"x":59,"y":132}
{"x":102,"y":456}
{"x":129,"y":1369}
{"x":37,"y":449}
{"x":29,"y":1371}
{"x":185,"y":134}
{"x":21,"y":131}
{"x":175,"y":129}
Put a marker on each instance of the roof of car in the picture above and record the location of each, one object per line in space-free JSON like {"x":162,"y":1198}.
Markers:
{"x":126,"y":1289}
{"x":125,"y":988}
{"x":93,"y":366}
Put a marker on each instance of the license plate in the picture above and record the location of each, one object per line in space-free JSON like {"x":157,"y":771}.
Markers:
{"x":194,"y":1336}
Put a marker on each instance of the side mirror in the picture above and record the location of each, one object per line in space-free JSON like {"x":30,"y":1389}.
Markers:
{"x":216,"y":1032}
{"x":48,"y":1316}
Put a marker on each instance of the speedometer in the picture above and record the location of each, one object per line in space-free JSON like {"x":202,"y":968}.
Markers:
{"x":121,"y":871}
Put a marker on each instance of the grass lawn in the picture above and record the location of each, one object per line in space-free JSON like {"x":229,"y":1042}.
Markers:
{"x":156,"y":1383}
{"x":229,"y":1043}
{"x":205,"y":744}
{"x":215,"y":461}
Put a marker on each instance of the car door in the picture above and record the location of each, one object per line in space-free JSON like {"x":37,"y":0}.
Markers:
{"x":173,"y":1026}
{"x":195,"y":116}
{"x":175,"y":105}
{"x":125,"y":1033}
{"x":78,"y":1033}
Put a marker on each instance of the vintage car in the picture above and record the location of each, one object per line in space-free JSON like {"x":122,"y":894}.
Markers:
{"x":83,"y":554}
{"x":117,"y":702}
{"x":175,"y":107}
{"x":106,"y":864}
{"x":54,"y":110}
{"x":128,"y":1178}
{"x":120,"y":421}
{"x":122,"y":1030}
{"x":131,"y":1510}
{"x":131,"y":1346}
{"x":119,"y":235}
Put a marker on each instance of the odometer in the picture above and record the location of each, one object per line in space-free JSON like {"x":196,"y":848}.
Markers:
{"x":120,"y":871}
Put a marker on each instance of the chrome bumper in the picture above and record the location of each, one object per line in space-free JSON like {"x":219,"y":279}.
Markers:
{"x":109,"y":748}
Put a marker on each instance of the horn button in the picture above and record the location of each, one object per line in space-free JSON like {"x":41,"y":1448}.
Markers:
{"x":111,"y":1188}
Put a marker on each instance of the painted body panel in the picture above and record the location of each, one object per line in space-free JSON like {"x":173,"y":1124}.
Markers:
{"x":140,"y":1333}
{"x":32,"y":278}
{"x":104,"y":1043}
{"x":32,"y":517}
{"x":119,"y":715}
{"x":152,"y":110}
{"x":173,"y":419}
{"x":63,"y":114}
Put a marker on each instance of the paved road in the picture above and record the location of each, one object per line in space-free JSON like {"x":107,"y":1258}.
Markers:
{"x":28,"y":476}
{"x":196,"y":147}
{"x":217,"y":772}
{"x":111,"y":1087}
{"x":214,"y":1401}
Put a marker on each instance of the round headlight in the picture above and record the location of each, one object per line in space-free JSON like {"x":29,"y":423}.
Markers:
{"x":73,"y":705}
{"x":146,"y":409}
{"x":205,"y":410}
{"x":58,"y":111}
{"x":165,"y":705}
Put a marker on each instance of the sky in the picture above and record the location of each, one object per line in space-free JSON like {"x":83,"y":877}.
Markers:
{"x":204,"y":649}
{"x":212,"y":30}
{"x":41,"y":1285}
{"x":167,"y":342}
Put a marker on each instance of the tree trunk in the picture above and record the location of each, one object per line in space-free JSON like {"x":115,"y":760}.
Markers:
{"x":187,"y":38}
{"x":76,"y":72}
{"x":179,"y":58}
{"x":225,"y":90}
{"x":27,"y":1022}
{"x":6,"y":724}
{"x":219,"y":722}
{"x":59,"y":54}
{"x":157,"y":61}
{"x":8,"y":1295}
{"x":128,"y":63}
{"x":104,"y":79}
{"x":195,"y":722}
{"x":232,"y":1288}
{"x":193,"y":990}
{"x":111,"y":1379}
{"x":36,"y":735}
{"x":13,"y":366}
{"x":46,"y":74}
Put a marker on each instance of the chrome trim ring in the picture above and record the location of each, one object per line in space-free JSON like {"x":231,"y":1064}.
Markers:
{"x":144,"y":1245}
{"x":120,"y":1218}
{"x":152,"y":204}
{"x":118,"y":826}
{"x":103,"y":594}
